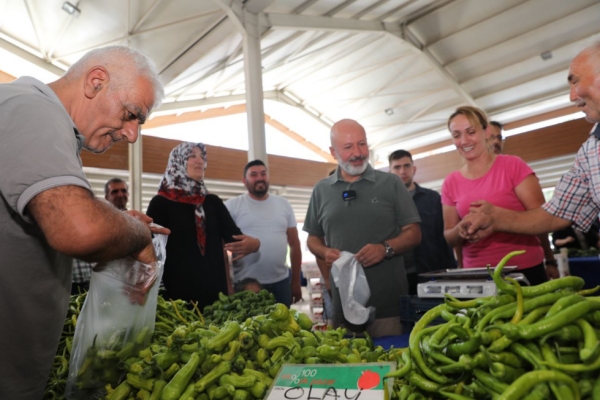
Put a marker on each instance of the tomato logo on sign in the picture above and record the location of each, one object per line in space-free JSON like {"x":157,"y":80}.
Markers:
{"x":368,"y":380}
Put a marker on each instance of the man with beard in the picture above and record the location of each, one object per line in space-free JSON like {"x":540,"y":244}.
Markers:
{"x":368,"y":213}
{"x":116,"y":193}
{"x":433,"y":253}
{"x":269,"y":218}
{"x":575,"y":201}
{"x":496,"y":140}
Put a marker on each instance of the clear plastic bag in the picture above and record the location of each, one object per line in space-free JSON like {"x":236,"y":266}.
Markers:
{"x":351,"y":281}
{"x":116,"y":322}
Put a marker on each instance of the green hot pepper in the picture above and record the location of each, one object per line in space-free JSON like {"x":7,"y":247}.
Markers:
{"x":179,"y":382}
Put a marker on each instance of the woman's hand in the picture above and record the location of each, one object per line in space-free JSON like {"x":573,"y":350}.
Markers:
{"x":481,"y":207}
{"x":245,"y":245}
{"x":552,"y":271}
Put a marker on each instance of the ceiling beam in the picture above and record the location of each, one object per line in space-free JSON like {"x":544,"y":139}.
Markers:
{"x":369,"y":9}
{"x":409,"y":37}
{"x":233,"y":10}
{"x":210,"y":36}
{"x":395,"y":10}
{"x":144,"y":17}
{"x":289,"y":21}
{"x":284,"y":98}
{"x":308,"y":67}
{"x":5,"y":78}
{"x":299,"y":138}
{"x":229,"y":61}
{"x":132,"y":34}
{"x":33,"y":19}
{"x":187,"y":105}
{"x":303,"y":22}
{"x":339,"y":8}
{"x":178,"y":107}
{"x":172,"y":119}
{"x":304,"y":6}
{"x":190,"y":116}
{"x":30,"y":57}
{"x":257,"y":6}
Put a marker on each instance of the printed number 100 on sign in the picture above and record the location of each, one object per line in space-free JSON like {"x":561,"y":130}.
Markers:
{"x":306,"y":373}
{"x":332,"y":382}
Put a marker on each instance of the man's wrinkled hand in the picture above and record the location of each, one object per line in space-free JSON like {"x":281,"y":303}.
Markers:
{"x":146,"y":255}
{"x":140,"y":279}
{"x":481,"y":207}
{"x":475,"y":227}
{"x":371,"y":254}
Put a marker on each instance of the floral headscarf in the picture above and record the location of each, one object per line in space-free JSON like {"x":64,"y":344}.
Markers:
{"x":177,"y":186}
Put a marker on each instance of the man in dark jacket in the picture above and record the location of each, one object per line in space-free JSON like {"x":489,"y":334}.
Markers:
{"x":433,"y":253}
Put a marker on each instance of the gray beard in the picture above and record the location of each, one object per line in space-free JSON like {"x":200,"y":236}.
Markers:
{"x":352,"y":170}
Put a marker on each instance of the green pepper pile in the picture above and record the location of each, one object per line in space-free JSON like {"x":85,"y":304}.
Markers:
{"x":236,"y":361}
{"x":238,"y":306}
{"x":57,"y":381}
{"x":538,"y":342}
{"x":574,"y":253}
{"x":189,"y":357}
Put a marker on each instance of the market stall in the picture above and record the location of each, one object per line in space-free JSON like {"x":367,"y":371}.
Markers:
{"x":539,"y":340}
{"x":587,"y":268}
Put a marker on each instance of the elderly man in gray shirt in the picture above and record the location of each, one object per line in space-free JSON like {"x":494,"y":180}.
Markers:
{"x":48,"y":213}
{"x":369,"y":213}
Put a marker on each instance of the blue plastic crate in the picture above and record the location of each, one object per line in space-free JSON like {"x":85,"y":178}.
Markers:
{"x":412,"y":309}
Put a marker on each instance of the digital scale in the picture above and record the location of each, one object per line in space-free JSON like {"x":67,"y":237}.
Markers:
{"x":463,"y":283}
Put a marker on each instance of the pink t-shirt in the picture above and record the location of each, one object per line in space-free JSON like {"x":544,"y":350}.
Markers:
{"x":497,"y":186}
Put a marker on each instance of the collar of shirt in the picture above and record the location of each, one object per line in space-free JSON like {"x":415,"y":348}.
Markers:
{"x":48,"y":92}
{"x":596,"y":131}
{"x":418,"y":189}
{"x":369,"y":175}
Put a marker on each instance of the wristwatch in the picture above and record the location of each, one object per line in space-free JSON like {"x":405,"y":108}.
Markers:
{"x":389,"y":251}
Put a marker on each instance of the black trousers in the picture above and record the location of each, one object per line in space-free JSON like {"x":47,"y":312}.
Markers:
{"x":535,"y":275}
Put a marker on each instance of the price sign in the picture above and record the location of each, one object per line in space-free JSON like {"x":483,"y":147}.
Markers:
{"x":332,"y":382}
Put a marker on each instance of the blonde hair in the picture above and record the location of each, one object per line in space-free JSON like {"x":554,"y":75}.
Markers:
{"x":475,"y":116}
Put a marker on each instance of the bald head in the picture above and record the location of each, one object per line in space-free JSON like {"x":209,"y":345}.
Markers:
{"x":349,"y":146}
{"x":593,"y":52}
{"x":346,"y":126}
{"x":584,"y":79}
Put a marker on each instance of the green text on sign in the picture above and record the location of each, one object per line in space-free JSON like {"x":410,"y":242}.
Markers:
{"x":332,"y":382}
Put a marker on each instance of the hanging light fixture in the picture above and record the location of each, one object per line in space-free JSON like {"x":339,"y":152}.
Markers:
{"x":71,"y":9}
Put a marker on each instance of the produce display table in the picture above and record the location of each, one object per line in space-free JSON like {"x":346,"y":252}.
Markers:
{"x":587,"y":268}
{"x":387,"y":342}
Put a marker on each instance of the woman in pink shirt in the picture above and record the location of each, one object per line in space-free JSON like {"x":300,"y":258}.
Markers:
{"x":500,"y":180}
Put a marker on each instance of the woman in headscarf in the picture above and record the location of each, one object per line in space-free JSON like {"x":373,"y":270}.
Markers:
{"x":200,"y":224}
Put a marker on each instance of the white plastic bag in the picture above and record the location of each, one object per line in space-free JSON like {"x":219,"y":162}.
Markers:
{"x":349,"y":277}
{"x":116,"y":322}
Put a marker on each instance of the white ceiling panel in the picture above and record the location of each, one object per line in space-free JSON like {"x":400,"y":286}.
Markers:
{"x":330,"y":59}
{"x":492,"y":29}
{"x":457,"y":16}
